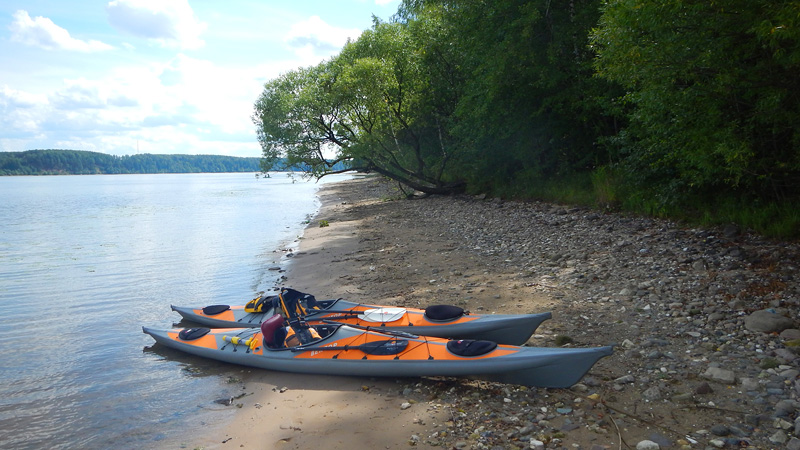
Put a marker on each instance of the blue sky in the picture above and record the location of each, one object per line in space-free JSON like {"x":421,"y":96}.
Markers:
{"x":157,"y":76}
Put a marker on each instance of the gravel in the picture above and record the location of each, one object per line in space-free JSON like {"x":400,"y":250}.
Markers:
{"x":705,"y":321}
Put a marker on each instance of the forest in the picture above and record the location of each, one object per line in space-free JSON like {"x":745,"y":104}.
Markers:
{"x":76,"y":162}
{"x":670,"y":108}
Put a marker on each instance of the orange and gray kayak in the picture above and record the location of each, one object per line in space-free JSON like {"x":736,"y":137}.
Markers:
{"x":362,"y":351}
{"x":446,"y":321}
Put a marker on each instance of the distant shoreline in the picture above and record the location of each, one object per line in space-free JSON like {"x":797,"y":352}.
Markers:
{"x":80,"y":162}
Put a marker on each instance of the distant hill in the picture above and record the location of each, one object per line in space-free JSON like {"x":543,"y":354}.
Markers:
{"x":78,"y":162}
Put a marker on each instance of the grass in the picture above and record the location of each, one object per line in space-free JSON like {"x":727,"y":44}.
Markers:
{"x":605,"y":190}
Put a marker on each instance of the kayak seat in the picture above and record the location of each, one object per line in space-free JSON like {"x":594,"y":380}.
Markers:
{"x":213,"y":310}
{"x":270,"y":331}
{"x":443,"y":312}
{"x":469,"y":347}
{"x":190,"y":334}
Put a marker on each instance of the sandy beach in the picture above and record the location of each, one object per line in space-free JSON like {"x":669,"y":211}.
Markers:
{"x":695,"y":366}
{"x":295,"y":411}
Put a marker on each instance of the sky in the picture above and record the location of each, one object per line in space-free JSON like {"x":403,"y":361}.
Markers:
{"x":157,"y":76}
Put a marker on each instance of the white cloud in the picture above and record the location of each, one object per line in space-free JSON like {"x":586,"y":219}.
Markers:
{"x":313,"y":39}
{"x":78,"y":95}
{"x":42,"y":32}
{"x":171,"y":23}
{"x":151,"y":94}
{"x":13,"y":98}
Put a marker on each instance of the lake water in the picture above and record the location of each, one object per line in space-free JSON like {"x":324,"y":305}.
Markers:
{"x":85,"y":261}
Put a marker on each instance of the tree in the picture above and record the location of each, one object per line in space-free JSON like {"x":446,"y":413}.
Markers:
{"x":714,"y":90}
{"x":369,"y":106}
{"x":527,"y":106}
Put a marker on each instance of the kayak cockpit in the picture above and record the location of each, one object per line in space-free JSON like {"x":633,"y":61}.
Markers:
{"x":274,"y":333}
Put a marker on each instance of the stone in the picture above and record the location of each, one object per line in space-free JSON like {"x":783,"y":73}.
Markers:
{"x":750,"y":384}
{"x":536,"y":444}
{"x":720,"y":430}
{"x":652,"y":393}
{"x":625,"y":379}
{"x":789,"y":374}
{"x":683,"y":398}
{"x":660,"y":439}
{"x":785,"y":408}
{"x":647,"y":445}
{"x":767,"y":321}
{"x":719,"y":374}
{"x":790,"y":334}
{"x":730,"y":231}
{"x":718,"y":443}
{"x":703,"y":388}
{"x":785,"y":354}
{"x":793,"y":444}
{"x":779,"y":437}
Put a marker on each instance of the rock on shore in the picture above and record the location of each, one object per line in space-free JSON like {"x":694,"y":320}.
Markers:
{"x":706,"y":320}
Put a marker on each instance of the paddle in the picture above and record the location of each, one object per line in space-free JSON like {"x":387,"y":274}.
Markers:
{"x":380,"y":315}
{"x":385,"y":347}
{"x":377,"y":330}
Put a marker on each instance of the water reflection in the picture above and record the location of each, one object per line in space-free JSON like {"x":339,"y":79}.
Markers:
{"x":85,"y":261}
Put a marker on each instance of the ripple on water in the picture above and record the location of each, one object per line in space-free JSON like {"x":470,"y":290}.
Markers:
{"x":88,"y":261}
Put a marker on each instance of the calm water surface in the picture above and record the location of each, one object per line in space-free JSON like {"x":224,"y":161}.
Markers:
{"x":85,"y":261}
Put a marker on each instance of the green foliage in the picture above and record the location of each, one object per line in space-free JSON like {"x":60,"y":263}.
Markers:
{"x":713,"y":87}
{"x":531,"y":104}
{"x":676,"y":108}
{"x":75,"y":162}
{"x":369,"y":106}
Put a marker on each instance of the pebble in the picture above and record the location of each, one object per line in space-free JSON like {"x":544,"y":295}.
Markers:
{"x":785,"y":408}
{"x":536,"y":444}
{"x":779,"y":437}
{"x":721,"y":375}
{"x":679,"y":302}
{"x":767,"y":321}
{"x":720,"y":430}
{"x":790,"y":334}
{"x":625,"y":379}
{"x":718,"y":443}
{"x":703,"y":389}
{"x":750,"y":384}
{"x":647,"y":445}
{"x":652,"y":393}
